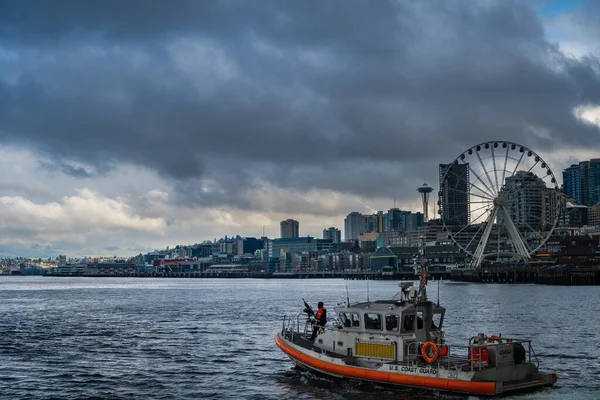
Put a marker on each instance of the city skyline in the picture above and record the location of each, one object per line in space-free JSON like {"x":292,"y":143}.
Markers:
{"x":123,"y":133}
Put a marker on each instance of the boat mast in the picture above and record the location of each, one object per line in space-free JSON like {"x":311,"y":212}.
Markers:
{"x":423,"y":270}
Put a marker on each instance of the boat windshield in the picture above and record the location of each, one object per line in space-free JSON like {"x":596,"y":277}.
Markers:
{"x":436,"y":321}
{"x":409,"y":323}
{"x":373,"y":321}
{"x":349,"y":320}
{"x":391,"y":323}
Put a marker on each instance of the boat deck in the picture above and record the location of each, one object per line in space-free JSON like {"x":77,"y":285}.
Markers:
{"x":453,"y":363}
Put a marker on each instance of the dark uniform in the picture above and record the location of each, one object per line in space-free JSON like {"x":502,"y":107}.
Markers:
{"x":321,"y":320}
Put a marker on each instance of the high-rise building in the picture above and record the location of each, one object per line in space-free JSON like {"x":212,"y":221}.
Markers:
{"x":525,"y":200}
{"x":454,"y":207}
{"x":354,"y":225}
{"x":593,"y":182}
{"x":405,"y":221}
{"x":395,"y":220}
{"x":553,"y":202}
{"x":370,"y":223}
{"x":414,"y":221}
{"x":374,"y":222}
{"x":594,"y":215}
{"x":289,"y":228}
{"x":573,"y":216}
{"x":572,"y":182}
{"x":581,"y":182}
{"x":249,"y":245}
{"x":333,"y":234}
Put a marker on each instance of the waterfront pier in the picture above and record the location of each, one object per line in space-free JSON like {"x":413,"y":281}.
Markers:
{"x":553,"y":275}
{"x":349,"y":275}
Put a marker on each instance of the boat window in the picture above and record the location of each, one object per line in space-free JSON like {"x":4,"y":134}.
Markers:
{"x":436,"y":321}
{"x":409,"y":323}
{"x":373,"y":321}
{"x":419,"y":319}
{"x":391,"y":323}
{"x":350,"y":320}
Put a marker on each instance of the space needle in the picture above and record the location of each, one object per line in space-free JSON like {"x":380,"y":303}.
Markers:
{"x":425,"y":190}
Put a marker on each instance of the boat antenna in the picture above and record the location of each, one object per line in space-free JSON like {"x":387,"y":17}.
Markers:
{"x":347,"y":297}
{"x":422,"y":296}
{"x":439,"y":291}
{"x":367,"y":289}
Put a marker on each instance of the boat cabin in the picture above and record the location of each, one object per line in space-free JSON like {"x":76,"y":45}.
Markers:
{"x":382,"y":329}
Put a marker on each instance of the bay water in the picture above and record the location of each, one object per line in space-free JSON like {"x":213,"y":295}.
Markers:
{"x":143,"y":338}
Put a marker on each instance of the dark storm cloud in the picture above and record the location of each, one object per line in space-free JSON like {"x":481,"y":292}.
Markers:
{"x":75,"y":171}
{"x":316,"y":92}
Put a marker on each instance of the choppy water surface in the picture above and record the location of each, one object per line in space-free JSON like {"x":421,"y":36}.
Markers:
{"x":113,"y":338}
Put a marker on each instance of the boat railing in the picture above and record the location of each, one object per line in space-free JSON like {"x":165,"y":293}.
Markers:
{"x":465,"y":358}
{"x":526,"y":343}
{"x":456,"y":357}
{"x":299,"y":326}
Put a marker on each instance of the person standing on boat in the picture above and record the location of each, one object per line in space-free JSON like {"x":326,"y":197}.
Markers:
{"x":321,"y":320}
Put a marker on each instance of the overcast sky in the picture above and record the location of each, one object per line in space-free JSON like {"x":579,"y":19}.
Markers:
{"x":127,"y":126}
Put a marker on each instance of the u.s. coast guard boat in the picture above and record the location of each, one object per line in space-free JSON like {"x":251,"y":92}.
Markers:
{"x":401,"y":342}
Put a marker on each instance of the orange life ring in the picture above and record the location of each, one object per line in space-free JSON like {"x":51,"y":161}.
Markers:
{"x":430,"y":358}
{"x":494,"y":338}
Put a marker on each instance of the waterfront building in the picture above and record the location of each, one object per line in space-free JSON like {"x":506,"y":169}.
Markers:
{"x":581,"y":182}
{"x":289,"y":228}
{"x":593,"y":182}
{"x":572,"y":182}
{"x":354,"y":225}
{"x":384,"y":257}
{"x":181,"y":251}
{"x":71,"y":268}
{"x":201,"y":250}
{"x":594,"y":215}
{"x":373,"y":222}
{"x":551,"y":201}
{"x":168,"y":265}
{"x":62,"y":260}
{"x":332,"y":234}
{"x":340,"y":261}
{"x":414,"y":221}
{"x":388,"y":238}
{"x":228,"y":247}
{"x":249,"y":245}
{"x":110,"y":269}
{"x":281,"y":250}
{"x":573,"y":216}
{"x":368,"y":238}
{"x":394,"y":219}
{"x":150,"y":257}
{"x":524,"y":200}
{"x":399,"y":220}
{"x":437,"y":255}
{"x":454,"y":209}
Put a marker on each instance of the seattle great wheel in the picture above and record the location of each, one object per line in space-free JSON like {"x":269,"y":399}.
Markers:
{"x":499,"y":202}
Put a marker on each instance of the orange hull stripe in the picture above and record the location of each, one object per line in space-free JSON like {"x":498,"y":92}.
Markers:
{"x":394,"y":378}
